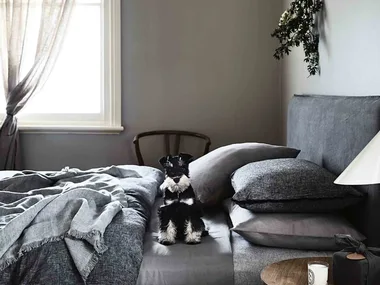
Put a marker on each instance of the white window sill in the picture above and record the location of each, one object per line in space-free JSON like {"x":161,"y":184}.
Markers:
{"x":41,"y":129}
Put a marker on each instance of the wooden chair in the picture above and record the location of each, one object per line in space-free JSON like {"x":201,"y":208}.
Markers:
{"x":167,"y":134}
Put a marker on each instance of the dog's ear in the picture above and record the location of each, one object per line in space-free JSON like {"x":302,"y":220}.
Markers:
{"x":186,"y":157}
{"x":164,"y":161}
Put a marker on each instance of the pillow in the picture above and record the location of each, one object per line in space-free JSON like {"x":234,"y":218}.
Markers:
{"x":290,"y":185}
{"x":312,"y":231}
{"x":210,"y":174}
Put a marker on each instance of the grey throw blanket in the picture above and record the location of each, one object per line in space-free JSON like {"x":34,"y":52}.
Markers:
{"x":73,"y":205}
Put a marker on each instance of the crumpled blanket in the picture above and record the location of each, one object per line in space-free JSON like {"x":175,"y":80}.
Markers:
{"x":74,"y":205}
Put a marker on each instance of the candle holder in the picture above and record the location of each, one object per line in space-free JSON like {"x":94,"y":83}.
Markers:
{"x":318,"y":272}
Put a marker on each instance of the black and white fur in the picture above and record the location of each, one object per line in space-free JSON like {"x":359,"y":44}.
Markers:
{"x":180,"y":215}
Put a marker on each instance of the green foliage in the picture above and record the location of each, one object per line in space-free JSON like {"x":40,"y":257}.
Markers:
{"x":298,"y":26}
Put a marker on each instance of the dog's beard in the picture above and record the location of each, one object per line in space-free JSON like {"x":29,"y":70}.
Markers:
{"x":181,"y":186}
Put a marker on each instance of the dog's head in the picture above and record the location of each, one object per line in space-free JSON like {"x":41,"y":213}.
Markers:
{"x":176,"y":171}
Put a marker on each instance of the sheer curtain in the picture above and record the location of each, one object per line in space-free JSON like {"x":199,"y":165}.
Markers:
{"x":31,"y":34}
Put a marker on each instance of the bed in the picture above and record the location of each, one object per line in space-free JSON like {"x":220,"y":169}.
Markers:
{"x":330,"y":131}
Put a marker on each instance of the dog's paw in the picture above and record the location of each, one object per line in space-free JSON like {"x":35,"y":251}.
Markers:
{"x":166,"y":241}
{"x":194,"y":238}
{"x":193,"y":241}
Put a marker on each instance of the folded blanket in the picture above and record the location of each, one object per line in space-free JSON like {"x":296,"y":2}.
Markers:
{"x":73,"y":205}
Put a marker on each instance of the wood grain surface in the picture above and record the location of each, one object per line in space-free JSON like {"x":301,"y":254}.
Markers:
{"x":292,"y":271}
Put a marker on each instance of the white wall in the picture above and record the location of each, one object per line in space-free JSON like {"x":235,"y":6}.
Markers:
{"x":199,"y":65}
{"x":349,"y":51}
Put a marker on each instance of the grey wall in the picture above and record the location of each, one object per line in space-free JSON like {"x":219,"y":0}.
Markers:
{"x":349,"y":51}
{"x":200,"y":65}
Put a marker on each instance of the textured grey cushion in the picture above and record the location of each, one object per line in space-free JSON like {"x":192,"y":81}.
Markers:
{"x":290,"y":185}
{"x":290,"y":230}
{"x":210,"y":174}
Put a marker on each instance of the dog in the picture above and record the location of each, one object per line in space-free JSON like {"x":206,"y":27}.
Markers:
{"x":180,"y":216}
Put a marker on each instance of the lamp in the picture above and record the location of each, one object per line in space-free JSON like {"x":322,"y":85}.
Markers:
{"x":365,"y":168}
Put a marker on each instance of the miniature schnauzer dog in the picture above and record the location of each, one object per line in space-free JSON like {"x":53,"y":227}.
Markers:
{"x":180,"y":215}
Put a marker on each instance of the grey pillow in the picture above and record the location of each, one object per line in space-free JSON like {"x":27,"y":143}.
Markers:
{"x":210,"y":174}
{"x":290,"y":185}
{"x":312,"y":231}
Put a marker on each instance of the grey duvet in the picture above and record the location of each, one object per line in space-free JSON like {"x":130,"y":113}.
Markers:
{"x":222,"y":258}
{"x":53,"y":226}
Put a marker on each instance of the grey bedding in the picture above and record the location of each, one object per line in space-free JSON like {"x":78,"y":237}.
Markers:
{"x":207,"y":263}
{"x":70,"y":241}
{"x":223,"y":257}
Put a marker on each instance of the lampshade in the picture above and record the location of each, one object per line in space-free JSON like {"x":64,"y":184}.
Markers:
{"x":365,"y":168}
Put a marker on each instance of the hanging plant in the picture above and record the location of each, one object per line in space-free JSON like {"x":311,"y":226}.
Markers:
{"x":298,"y":26}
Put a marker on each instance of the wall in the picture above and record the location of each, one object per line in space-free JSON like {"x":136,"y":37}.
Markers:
{"x":349,"y":54}
{"x":200,"y":65}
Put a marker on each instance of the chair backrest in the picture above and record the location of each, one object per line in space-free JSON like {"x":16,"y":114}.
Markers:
{"x":167,"y":134}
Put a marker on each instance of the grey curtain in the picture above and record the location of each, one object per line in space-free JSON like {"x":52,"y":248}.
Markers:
{"x":18,"y":20}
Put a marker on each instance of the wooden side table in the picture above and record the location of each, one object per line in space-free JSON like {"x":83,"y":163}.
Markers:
{"x":292,"y":271}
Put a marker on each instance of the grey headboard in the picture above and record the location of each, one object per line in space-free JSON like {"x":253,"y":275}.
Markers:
{"x":331,"y":131}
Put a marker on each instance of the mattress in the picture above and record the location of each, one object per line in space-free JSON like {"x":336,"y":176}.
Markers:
{"x":207,"y":263}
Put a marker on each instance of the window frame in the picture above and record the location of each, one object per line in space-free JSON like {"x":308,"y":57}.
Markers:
{"x":110,"y":123}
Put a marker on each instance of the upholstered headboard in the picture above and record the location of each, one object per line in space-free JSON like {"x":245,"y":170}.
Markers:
{"x":331,"y":131}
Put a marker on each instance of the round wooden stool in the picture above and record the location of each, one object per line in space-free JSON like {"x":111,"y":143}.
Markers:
{"x":292,"y":271}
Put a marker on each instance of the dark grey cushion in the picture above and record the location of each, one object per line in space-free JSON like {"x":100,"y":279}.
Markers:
{"x":312,"y":231}
{"x":290,"y":185}
{"x":210,"y":174}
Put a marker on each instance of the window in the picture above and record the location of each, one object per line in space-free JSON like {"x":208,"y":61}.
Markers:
{"x":82,"y":93}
